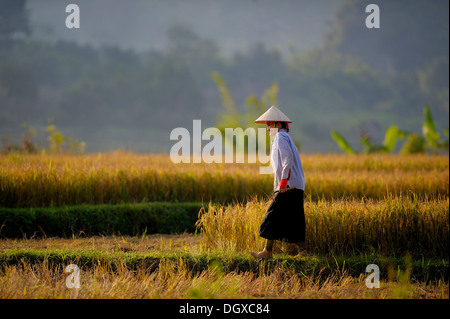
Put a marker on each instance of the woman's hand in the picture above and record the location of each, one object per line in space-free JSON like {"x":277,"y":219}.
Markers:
{"x":283,"y":185}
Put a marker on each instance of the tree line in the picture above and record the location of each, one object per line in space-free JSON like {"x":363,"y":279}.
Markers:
{"x":337,"y":85}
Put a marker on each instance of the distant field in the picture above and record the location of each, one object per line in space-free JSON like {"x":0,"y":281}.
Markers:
{"x":108,"y":212}
{"x":46,"y":180}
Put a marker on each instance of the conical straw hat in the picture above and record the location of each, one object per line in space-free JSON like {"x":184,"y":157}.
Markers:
{"x":273,"y":115}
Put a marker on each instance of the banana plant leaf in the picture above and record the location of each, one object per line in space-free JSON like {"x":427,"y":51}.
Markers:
{"x":342,"y":142}
{"x":393,"y":133}
{"x":428,"y":128}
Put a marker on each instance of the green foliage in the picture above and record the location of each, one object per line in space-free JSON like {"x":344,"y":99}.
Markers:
{"x":125,"y":219}
{"x":390,"y":140}
{"x":428,"y":129}
{"x":58,"y":143}
{"x":342,"y":142}
{"x":27,"y":144}
{"x":393,"y":133}
{"x":414,"y":143}
{"x":431,"y":136}
{"x":231,"y":118}
{"x":254,"y":107}
{"x":430,"y":139}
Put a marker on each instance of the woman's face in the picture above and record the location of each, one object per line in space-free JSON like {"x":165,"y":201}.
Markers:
{"x":272,"y":128}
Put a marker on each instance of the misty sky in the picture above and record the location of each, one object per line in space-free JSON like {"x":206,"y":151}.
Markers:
{"x":142,"y":24}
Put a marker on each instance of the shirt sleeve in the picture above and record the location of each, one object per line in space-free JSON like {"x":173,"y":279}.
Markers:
{"x":286,"y":157}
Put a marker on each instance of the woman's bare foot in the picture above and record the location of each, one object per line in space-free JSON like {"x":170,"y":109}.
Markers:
{"x":302,"y":252}
{"x":262,"y":255}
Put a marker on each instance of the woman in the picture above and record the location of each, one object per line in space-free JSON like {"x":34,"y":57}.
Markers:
{"x":285,"y":218}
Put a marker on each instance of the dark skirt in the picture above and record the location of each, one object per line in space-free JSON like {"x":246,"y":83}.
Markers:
{"x":285,"y":218}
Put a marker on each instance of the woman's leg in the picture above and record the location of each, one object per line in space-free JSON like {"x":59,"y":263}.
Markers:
{"x":269,"y":245}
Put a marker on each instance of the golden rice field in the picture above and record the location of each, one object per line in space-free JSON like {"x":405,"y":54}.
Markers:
{"x":393,"y":227}
{"x":45,"y":180}
{"x":106,"y":272}
{"x":358,"y":208}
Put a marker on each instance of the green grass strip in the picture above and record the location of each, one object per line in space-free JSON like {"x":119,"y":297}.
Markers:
{"x":125,"y":219}
{"x":392,"y":268}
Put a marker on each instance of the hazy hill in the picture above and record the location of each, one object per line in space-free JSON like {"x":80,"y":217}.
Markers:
{"x":142,"y":24}
{"x":137,"y":69}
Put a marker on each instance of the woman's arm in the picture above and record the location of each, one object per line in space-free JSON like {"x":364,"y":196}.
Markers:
{"x":286,"y":157}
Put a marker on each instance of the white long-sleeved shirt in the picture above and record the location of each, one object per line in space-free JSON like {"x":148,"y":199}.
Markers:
{"x":286,"y":161}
